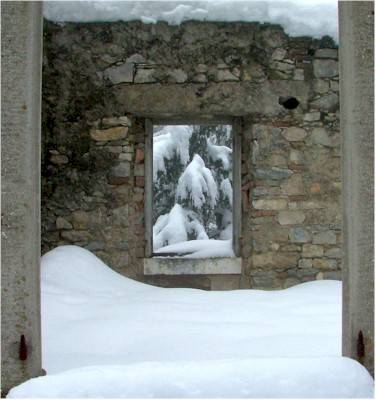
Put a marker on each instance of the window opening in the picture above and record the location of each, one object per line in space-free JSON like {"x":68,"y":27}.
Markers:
{"x":192,"y":191}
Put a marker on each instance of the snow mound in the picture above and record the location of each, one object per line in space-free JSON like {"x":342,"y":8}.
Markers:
{"x":335,"y":377}
{"x":74,"y":269}
{"x":107,"y":336}
{"x":309,"y":17}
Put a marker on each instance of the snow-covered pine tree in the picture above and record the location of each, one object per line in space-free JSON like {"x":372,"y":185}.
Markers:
{"x":192,"y":183}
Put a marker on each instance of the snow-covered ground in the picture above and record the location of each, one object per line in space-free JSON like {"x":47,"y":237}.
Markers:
{"x":299,"y":17}
{"x":108,"y":336}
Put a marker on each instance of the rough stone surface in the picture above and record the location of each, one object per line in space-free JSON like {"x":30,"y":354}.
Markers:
{"x":291,"y":217}
{"x":312,"y":250}
{"x":299,"y":235}
{"x":115,"y":133}
{"x":325,"y":68}
{"x":290,"y":174}
{"x":327,"y":237}
{"x":120,"y":74}
{"x":294,"y":134}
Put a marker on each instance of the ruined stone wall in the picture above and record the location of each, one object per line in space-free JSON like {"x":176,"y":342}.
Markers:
{"x":100,"y":81}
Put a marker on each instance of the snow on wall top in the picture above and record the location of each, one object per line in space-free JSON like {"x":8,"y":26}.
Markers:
{"x":298,"y":17}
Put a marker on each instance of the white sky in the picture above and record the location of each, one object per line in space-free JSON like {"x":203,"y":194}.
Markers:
{"x":305,"y":17}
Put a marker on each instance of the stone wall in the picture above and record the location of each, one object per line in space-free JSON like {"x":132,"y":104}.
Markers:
{"x":102,"y":79}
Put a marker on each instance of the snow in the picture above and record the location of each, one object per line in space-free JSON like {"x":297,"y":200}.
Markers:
{"x":170,"y":140}
{"x":107,"y":336}
{"x":201,"y":249}
{"x":197,"y":183}
{"x":251,"y":378}
{"x":170,"y":228}
{"x":309,"y":17}
{"x":175,"y":226}
{"x":220,"y":153}
{"x":226,"y":189}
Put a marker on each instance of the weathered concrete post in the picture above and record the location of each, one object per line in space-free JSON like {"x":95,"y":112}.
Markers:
{"x":21,"y":58}
{"x":357,"y":127}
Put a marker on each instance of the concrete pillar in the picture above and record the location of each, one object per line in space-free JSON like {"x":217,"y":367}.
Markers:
{"x":357,"y":127}
{"x":21,"y":30}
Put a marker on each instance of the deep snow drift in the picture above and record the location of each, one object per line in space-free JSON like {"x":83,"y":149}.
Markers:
{"x":128,"y":339}
{"x":308,"y":17}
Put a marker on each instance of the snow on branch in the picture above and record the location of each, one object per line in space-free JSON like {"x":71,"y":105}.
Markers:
{"x":219,"y":153}
{"x":175,"y":227}
{"x":197,"y":183}
{"x":170,"y":141}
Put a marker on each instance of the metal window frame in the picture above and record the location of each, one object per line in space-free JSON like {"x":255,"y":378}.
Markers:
{"x":236,"y":123}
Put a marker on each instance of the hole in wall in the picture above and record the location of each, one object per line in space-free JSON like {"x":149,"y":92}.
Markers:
{"x":289,"y":102}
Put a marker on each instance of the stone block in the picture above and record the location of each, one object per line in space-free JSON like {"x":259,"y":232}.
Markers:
{"x":76,"y":236}
{"x":145,"y":75}
{"x":95,"y":246}
{"x":178,"y":76}
{"x":125,"y":157}
{"x":225,"y":75}
{"x":312,"y":250}
{"x":140,"y":156}
{"x":120,"y":73}
{"x":305,"y":263}
{"x":110,"y":134}
{"x":312,"y":116}
{"x":333,"y":275}
{"x":291,"y":217}
{"x":315,"y":188}
{"x":120,"y":174}
{"x":59,"y":159}
{"x":293,"y":185}
{"x":279,"y":54}
{"x":299,"y":235}
{"x":325,"y":68}
{"x":273,"y":173}
{"x":320,"y":136}
{"x":274,"y":260}
{"x":321,"y":263}
{"x":80,"y":220}
{"x":328,"y":103}
{"x":320,"y":86}
{"x":283,"y":66}
{"x":139,"y":170}
{"x":139,"y":181}
{"x":334,"y":252}
{"x":289,"y":282}
{"x":326,"y":53}
{"x":327,"y":237}
{"x":334,"y":85}
{"x":297,"y":157}
{"x":200,"y":78}
{"x":270,"y":204}
{"x":201,"y":68}
{"x":298,"y":74}
{"x":115,"y":121}
{"x":114,"y":149}
{"x":136,"y":59}
{"x":294,"y":134}
{"x":62,"y":223}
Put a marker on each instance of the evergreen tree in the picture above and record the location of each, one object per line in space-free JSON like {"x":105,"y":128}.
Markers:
{"x":192,"y":183}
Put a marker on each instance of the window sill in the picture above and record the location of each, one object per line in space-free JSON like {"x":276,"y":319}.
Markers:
{"x":192,"y":266}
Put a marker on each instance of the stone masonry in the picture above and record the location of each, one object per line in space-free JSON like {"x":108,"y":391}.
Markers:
{"x":100,"y":81}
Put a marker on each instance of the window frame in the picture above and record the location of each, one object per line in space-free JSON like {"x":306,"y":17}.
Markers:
{"x":236,"y":123}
